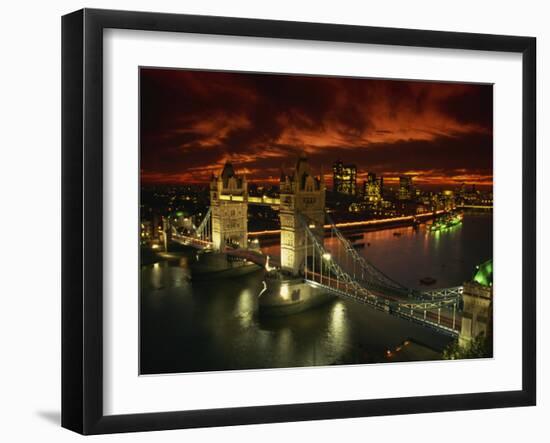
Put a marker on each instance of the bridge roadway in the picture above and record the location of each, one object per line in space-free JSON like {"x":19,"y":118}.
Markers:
{"x":248,"y":254}
{"x":360,"y":223}
{"x":444,"y":317}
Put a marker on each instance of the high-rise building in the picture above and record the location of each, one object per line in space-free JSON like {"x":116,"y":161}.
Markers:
{"x":462,"y":190}
{"x":344,"y":178}
{"x":405,"y":188}
{"x":372,"y":188}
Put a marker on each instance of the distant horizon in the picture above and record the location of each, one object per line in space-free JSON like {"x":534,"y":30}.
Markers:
{"x":329,"y":184}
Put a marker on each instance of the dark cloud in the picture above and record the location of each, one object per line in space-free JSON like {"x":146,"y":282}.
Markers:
{"x":192,"y":121}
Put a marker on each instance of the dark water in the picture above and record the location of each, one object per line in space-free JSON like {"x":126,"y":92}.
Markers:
{"x":190,"y":326}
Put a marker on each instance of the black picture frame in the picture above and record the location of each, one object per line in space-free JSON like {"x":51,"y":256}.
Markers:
{"x":82,"y":218}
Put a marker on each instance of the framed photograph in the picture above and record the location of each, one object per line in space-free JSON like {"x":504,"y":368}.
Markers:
{"x":269,"y":221}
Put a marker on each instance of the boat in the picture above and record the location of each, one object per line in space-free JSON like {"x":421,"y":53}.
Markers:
{"x":427,"y":280}
{"x":447,"y":221}
{"x":397,"y":234}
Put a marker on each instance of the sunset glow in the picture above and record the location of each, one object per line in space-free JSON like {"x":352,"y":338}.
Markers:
{"x":193,"y":121}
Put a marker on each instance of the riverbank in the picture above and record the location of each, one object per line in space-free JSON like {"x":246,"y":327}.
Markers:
{"x":363,"y":226}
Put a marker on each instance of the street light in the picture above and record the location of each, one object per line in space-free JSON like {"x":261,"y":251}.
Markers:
{"x":326,"y":256}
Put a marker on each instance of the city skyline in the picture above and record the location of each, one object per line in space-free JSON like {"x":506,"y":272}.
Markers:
{"x":192,"y":122}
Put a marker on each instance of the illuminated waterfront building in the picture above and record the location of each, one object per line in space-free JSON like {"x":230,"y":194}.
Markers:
{"x":372,"y":189}
{"x":448,"y":199}
{"x":477,"y":317}
{"x":344,"y":178}
{"x":146,"y":232}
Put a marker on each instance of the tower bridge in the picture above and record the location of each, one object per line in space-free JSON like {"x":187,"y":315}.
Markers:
{"x":334,"y":266}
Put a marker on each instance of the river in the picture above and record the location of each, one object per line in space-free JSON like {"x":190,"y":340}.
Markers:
{"x":189,"y":326}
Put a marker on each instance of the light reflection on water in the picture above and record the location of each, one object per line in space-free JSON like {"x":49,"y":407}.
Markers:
{"x":448,"y":256}
{"x":214,"y":325}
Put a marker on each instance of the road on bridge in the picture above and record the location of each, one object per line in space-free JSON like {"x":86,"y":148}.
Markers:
{"x":443,"y":317}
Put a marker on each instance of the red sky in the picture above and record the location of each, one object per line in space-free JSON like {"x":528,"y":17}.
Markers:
{"x":193,"y":121}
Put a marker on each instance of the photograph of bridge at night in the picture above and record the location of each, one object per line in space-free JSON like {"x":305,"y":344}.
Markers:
{"x":293,"y":220}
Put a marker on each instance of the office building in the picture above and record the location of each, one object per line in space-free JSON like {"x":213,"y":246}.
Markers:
{"x":344,"y":178}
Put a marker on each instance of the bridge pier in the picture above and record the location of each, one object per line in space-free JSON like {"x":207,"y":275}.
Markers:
{"x":302,"y":206}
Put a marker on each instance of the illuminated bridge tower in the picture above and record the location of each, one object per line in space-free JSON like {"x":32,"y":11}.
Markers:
{"x":302,"y":196}
{"x":477,"y":316}
{"x":229,"y":204}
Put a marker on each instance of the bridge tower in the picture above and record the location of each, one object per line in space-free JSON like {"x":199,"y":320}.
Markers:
{"x":302,"y":195}
{"x":477,"y":315}
{"x":229,"y":203}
